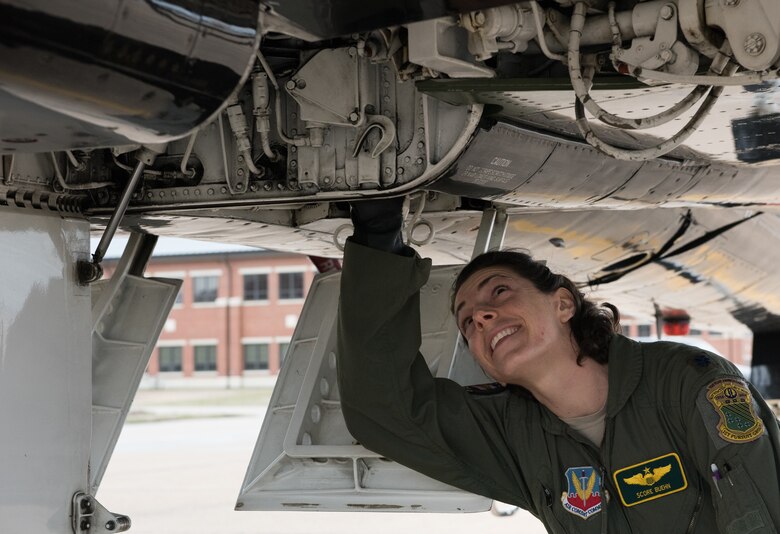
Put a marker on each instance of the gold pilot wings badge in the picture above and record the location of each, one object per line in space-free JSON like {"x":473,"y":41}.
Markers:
{"x":651,"y":479}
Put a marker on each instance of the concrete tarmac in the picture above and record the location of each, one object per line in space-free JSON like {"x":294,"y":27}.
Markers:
{"x":183,"y":477}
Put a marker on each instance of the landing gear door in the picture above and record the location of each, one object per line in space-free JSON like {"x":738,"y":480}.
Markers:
{"x":128,"y":314}
{"x":305,"y":459}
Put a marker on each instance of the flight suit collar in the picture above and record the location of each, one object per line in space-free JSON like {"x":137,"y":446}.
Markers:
{"x":624,"y":373}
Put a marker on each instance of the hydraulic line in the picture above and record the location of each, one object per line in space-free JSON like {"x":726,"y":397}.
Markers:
{"x":580,"y":89}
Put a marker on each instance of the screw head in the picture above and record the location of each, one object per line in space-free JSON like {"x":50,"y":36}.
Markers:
{"x":755,"y":44}
{"x":240,"y":172}
{"x":353,"y":117}
{"x":667,"y":12}
{"x":293,"y":163}
{"x":388,"y":170}
{"x":290,"y":85}
{"x":667,"y":56}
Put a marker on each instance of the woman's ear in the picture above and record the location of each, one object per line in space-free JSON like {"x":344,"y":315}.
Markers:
{"x":565,"y":304}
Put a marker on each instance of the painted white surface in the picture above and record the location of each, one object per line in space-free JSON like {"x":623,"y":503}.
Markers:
{"x":45,"y":371}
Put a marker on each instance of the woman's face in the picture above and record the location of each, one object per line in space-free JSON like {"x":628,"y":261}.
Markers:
{"x":510,"y":326}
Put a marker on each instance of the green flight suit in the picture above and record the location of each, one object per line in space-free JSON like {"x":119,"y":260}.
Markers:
{"x":653,"y":471}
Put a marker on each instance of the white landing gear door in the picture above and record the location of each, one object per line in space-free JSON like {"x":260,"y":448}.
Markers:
{"x":45,"y":382}
{"x":128,"y":314}
{"x":305,"y":459}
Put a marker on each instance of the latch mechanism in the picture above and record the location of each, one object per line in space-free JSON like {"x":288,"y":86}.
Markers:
{"x":90,"y":517}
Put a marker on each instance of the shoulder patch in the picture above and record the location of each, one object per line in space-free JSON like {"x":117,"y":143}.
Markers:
{"x":486,"y":389}
{"x":737,"y":421}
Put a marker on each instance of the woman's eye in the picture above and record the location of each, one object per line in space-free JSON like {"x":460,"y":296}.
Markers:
{"x":499,"y":289}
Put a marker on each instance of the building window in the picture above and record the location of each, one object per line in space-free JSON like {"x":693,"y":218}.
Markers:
{"x":169,"y":359}
{"x":255,"y":356}
{"x":283,"y":347}
{"x":626,"y":329}
{"x":205,"y":357}
{"x":290,"y":286}
{"x":204,"y":288}
{"x":644,"y":330}
{"x":255,"y":287}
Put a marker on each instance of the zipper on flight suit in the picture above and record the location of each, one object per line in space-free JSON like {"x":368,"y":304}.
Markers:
{"x":695,"y":515}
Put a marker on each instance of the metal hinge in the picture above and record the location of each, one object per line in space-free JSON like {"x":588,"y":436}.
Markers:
{"x":90,"y":517}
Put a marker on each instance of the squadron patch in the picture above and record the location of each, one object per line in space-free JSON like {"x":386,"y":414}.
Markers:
{"x":650,"y":480}
{"x":583,"y":497}
{"x":738,"y":422}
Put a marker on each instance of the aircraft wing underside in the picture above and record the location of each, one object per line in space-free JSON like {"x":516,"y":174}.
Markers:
{"x":257,"y":123}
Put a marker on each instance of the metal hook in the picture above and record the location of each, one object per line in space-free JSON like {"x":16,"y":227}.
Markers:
{"x":387,"y":129}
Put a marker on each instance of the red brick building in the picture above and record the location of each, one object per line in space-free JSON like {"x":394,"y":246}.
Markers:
{"x":234,"y":315}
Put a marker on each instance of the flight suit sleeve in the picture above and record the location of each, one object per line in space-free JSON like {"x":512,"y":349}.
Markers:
{"x":391,"y":402}
{"x":733,"y":437}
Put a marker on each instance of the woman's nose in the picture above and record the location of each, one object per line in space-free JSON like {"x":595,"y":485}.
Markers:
{"x":484,"y":316}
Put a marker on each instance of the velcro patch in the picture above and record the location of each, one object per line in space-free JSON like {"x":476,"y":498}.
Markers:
{"x":486,"y":389}
{"x":738,"y":422}
{"x":650,"y":480}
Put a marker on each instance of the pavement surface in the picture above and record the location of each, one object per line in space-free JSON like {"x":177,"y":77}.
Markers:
{"x":178,"y":469}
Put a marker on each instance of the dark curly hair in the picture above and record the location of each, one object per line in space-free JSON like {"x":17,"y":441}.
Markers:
{"x":592,"y":326}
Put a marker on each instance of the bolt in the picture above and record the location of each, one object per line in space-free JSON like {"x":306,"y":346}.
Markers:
{"x":667,"y":11}
{"x":223,"y":190}
{"x":293,"y":149}
{"x":254,"y":187}
{"x":85,"y":524}
{"x":300,"y":83}
{"x":420,"y":145}
{"x":352,"y":51}
{"x":386,"y":99}
{"x":240,"y":172}
{"x":293,"y":163}
{"x":479,"y":18}
{"x":421,"y":131}
{"x":400,"y":170}
{"x":294,"y":115}
{"x":388,"y":170}
{"x":354,"y":117}
{"x":149,"y":194}
{"x":241,"y":159}
{"x":210,"y":191}
{"x":186,"y":192}
{"x":280,"y":186}
{"x":239,"y":186}
{"x":755,"y":43}
{"x":419,"y":161}
{"x":667,"y":56}
{"x":110,"y":525}
{"x":290,"y":85}
{"x":267,"y":187}
{"x":407,"y":159}
{"x":197,"y":192}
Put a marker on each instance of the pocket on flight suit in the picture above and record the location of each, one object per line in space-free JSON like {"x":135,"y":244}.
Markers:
{"x":739,"y":509}
{"x":547,"y":498}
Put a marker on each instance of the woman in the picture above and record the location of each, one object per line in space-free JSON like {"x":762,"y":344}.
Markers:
{"x":586,"y":429}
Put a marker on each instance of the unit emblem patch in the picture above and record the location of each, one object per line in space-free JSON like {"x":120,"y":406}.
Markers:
{"x":738,"y":421}
{"x":583,"y":497}
{"x":650,"y":480}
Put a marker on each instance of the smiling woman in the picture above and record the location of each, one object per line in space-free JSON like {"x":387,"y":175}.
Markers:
{"x":583,"y":420}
